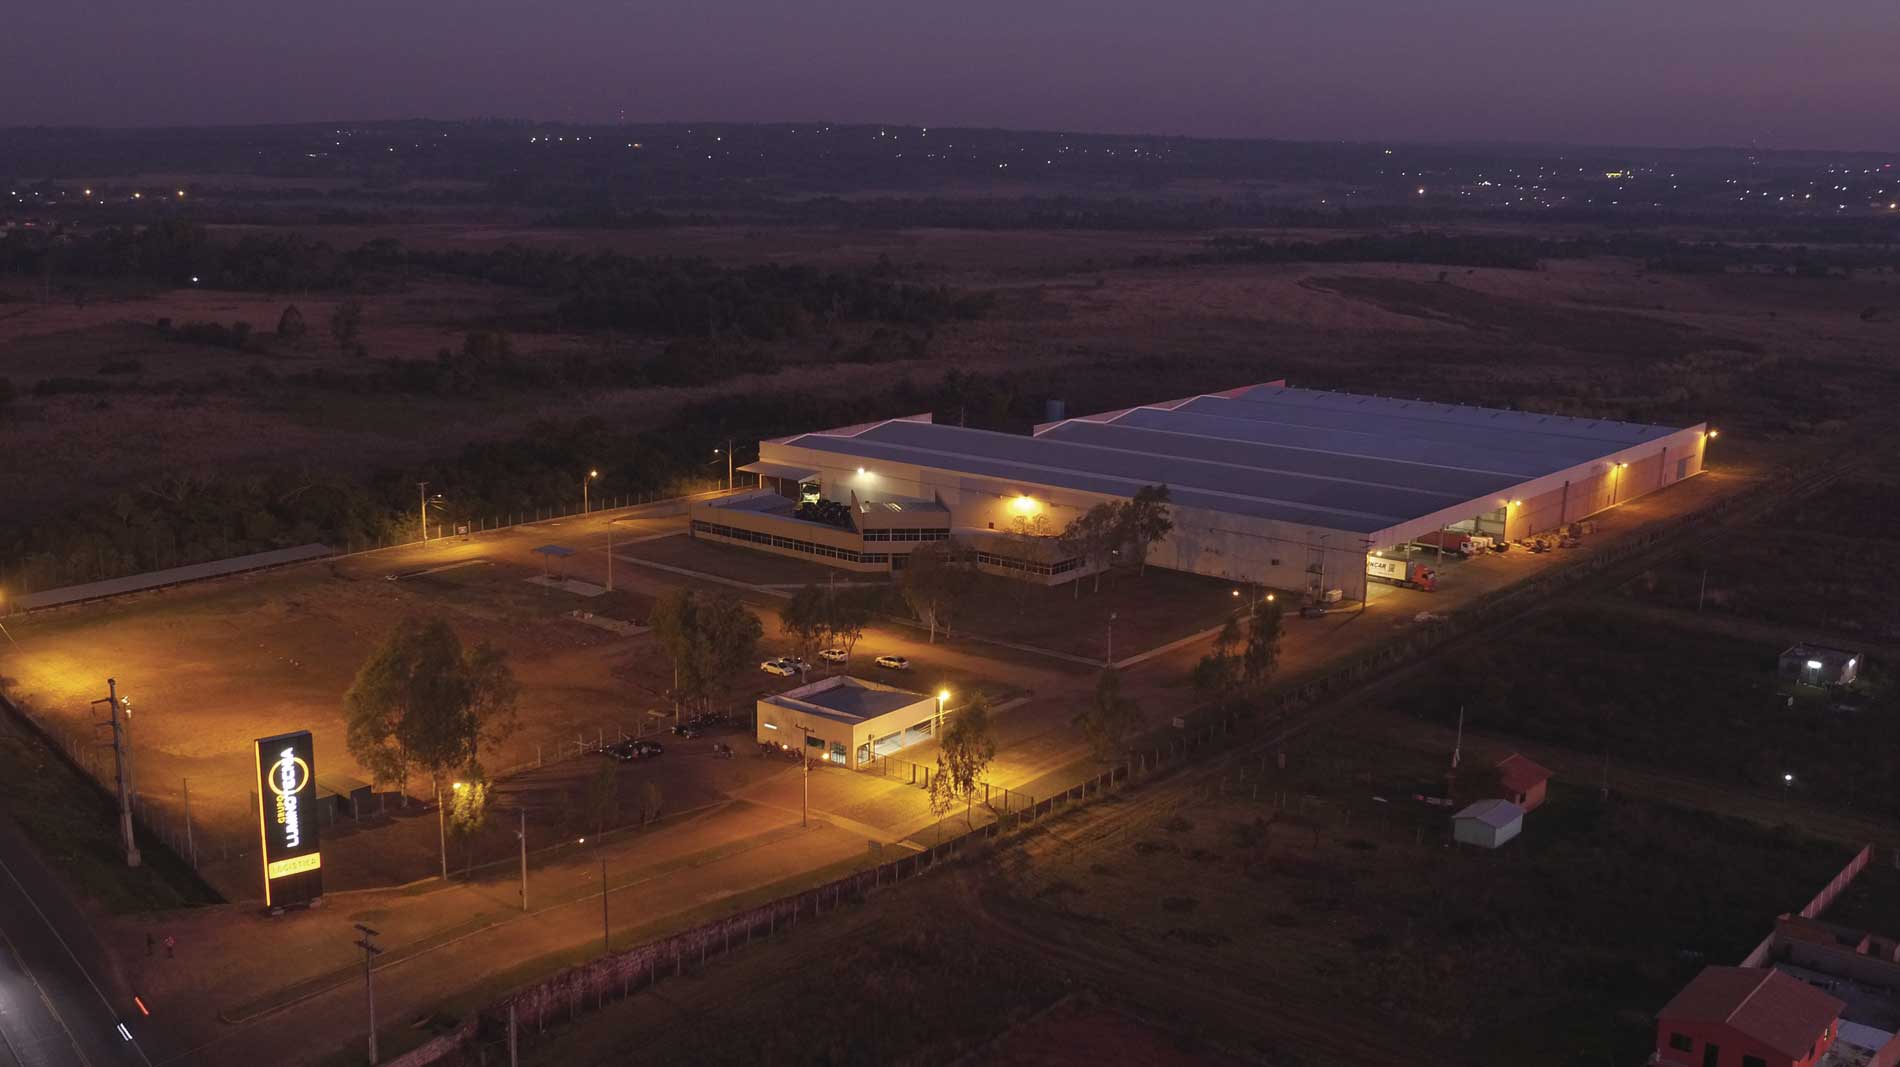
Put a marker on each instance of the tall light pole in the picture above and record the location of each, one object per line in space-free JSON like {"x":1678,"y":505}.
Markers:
{"x":591,"y":475}
{"x":1616,"y":482}
{"x":523,"y":835}
{"x":422,"y":508}
{"x":804,"y":764}
{"x":441,"y":824}
{"x":610,"y":555}
{"x":728,"y":451}
{"x":1109,"y":659}
{"x":606,"y":937}
{"x":1787,"y":787}
{"x":943,"y":698}
{"x":370,"y":952}
{"x":122,"y":764}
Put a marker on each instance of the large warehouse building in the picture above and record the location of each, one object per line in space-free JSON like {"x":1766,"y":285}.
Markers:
{"x":1290,"y":488}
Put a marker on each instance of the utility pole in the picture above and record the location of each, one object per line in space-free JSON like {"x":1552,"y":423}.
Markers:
{"x":591,"y":475}
{"x":728,"y":464}
{"x":370,"y":952}
{"x":610,"y":555}
{"x":804,"y":763}
{"x":122,"y":765}
{"x":1703,"y":590}
{"x":1109,"y":660}
{"x":422,"y":508}
{"x":606,"y":932}
{"x":523,"y":835}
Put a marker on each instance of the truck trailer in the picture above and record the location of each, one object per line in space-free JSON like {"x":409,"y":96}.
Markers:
{"x":1409,"y":573}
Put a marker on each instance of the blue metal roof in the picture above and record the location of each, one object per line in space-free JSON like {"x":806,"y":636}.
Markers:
{"x":1333,"y":460}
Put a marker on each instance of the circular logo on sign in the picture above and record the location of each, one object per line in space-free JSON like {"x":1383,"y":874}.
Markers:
{"x":277,"y":787}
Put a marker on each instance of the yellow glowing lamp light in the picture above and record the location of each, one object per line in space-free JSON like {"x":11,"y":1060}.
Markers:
{"x":1713,"y":434}
{"x":1517,"y":503}
{"x":943,"y":696}
{"x":1023,"y":505}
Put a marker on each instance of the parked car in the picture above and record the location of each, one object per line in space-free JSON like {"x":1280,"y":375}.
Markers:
{"x":648,"y":749}
{"x":797,"y":664}
{"x":833,"y":655}
{"x":625,"y":751}
{"x":685,"y":729}
{"x":893,"y":663}
{"x":782,"y":667}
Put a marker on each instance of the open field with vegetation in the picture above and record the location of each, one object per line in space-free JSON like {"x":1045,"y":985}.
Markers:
{"x":1232,"y":924}
{"x":1665,"y":692}
{"x":163,"y":431}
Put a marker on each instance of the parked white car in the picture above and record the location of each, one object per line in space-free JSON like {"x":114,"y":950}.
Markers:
{"x":893,"y":663}
{"x":781,"y":667}
{"x":833,"y":655}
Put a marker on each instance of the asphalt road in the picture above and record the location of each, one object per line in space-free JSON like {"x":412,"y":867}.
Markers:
{"x":52,"y":1011}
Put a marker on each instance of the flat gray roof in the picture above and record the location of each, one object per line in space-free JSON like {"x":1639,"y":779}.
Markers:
{"x":845,"y":699}
{"x":1333,"y":460}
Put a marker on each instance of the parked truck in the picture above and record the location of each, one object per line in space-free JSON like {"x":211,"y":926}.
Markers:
{"x":1411,"y":574}
{"x":1464,"y":544}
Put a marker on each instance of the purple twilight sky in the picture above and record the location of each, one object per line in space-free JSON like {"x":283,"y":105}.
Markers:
{"x":1824,"y":74}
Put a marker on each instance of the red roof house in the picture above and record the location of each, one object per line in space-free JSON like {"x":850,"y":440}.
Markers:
{"x":1522,"y":781}
{"x":1746,"y":1017}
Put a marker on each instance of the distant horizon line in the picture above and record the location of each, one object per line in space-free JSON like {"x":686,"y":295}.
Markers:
{"x":499,"y":120}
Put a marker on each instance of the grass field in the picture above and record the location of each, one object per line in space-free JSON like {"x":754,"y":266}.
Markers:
{"x":74,"y":824}
{"x":1205,"y":921}
{"x":1667,"y":693}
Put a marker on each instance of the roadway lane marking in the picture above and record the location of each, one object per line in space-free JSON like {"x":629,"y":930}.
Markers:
{"x":15,"y":879}
{"x":45,"y":1001}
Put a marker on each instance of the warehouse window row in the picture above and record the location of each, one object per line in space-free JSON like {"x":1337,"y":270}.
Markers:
{"x":937,"y":534}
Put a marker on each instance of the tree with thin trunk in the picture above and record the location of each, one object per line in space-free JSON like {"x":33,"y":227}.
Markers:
{"x":674,"y":622}
{"x":1092,"y":537}
{"x":964,"y":752}
{"x":467,"y":810}
{"x":649,"y":802}
{"x":1109,"y":718}
{"x":847,"y":614}
{"x":346,"y":324}
{"x":1218,"y":672}
{"x":603,"y":797}
{"x":934,"y":583}
{"x":1146,"y":521}
{"x":804,"y":619}
{"x":422,"y":701}
{"x":1261,"y":656}
{"x":727,"y":642}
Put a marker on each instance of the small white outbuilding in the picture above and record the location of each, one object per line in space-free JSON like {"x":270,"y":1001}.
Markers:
{"x":1487,"y":823}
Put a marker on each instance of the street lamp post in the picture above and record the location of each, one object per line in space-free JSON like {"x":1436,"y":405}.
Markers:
{"x":523,"y":835}
{"x":606,"y":931}
{"x":728,"y":451}
{"x":591,"y":475}
{"x":943,"y":698}
{"x":1109,"y":660}
{"x":804,"y":784}
{"x":1787,"y":787}
{"x":442,"y":826}
{"x":610,"y":555}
